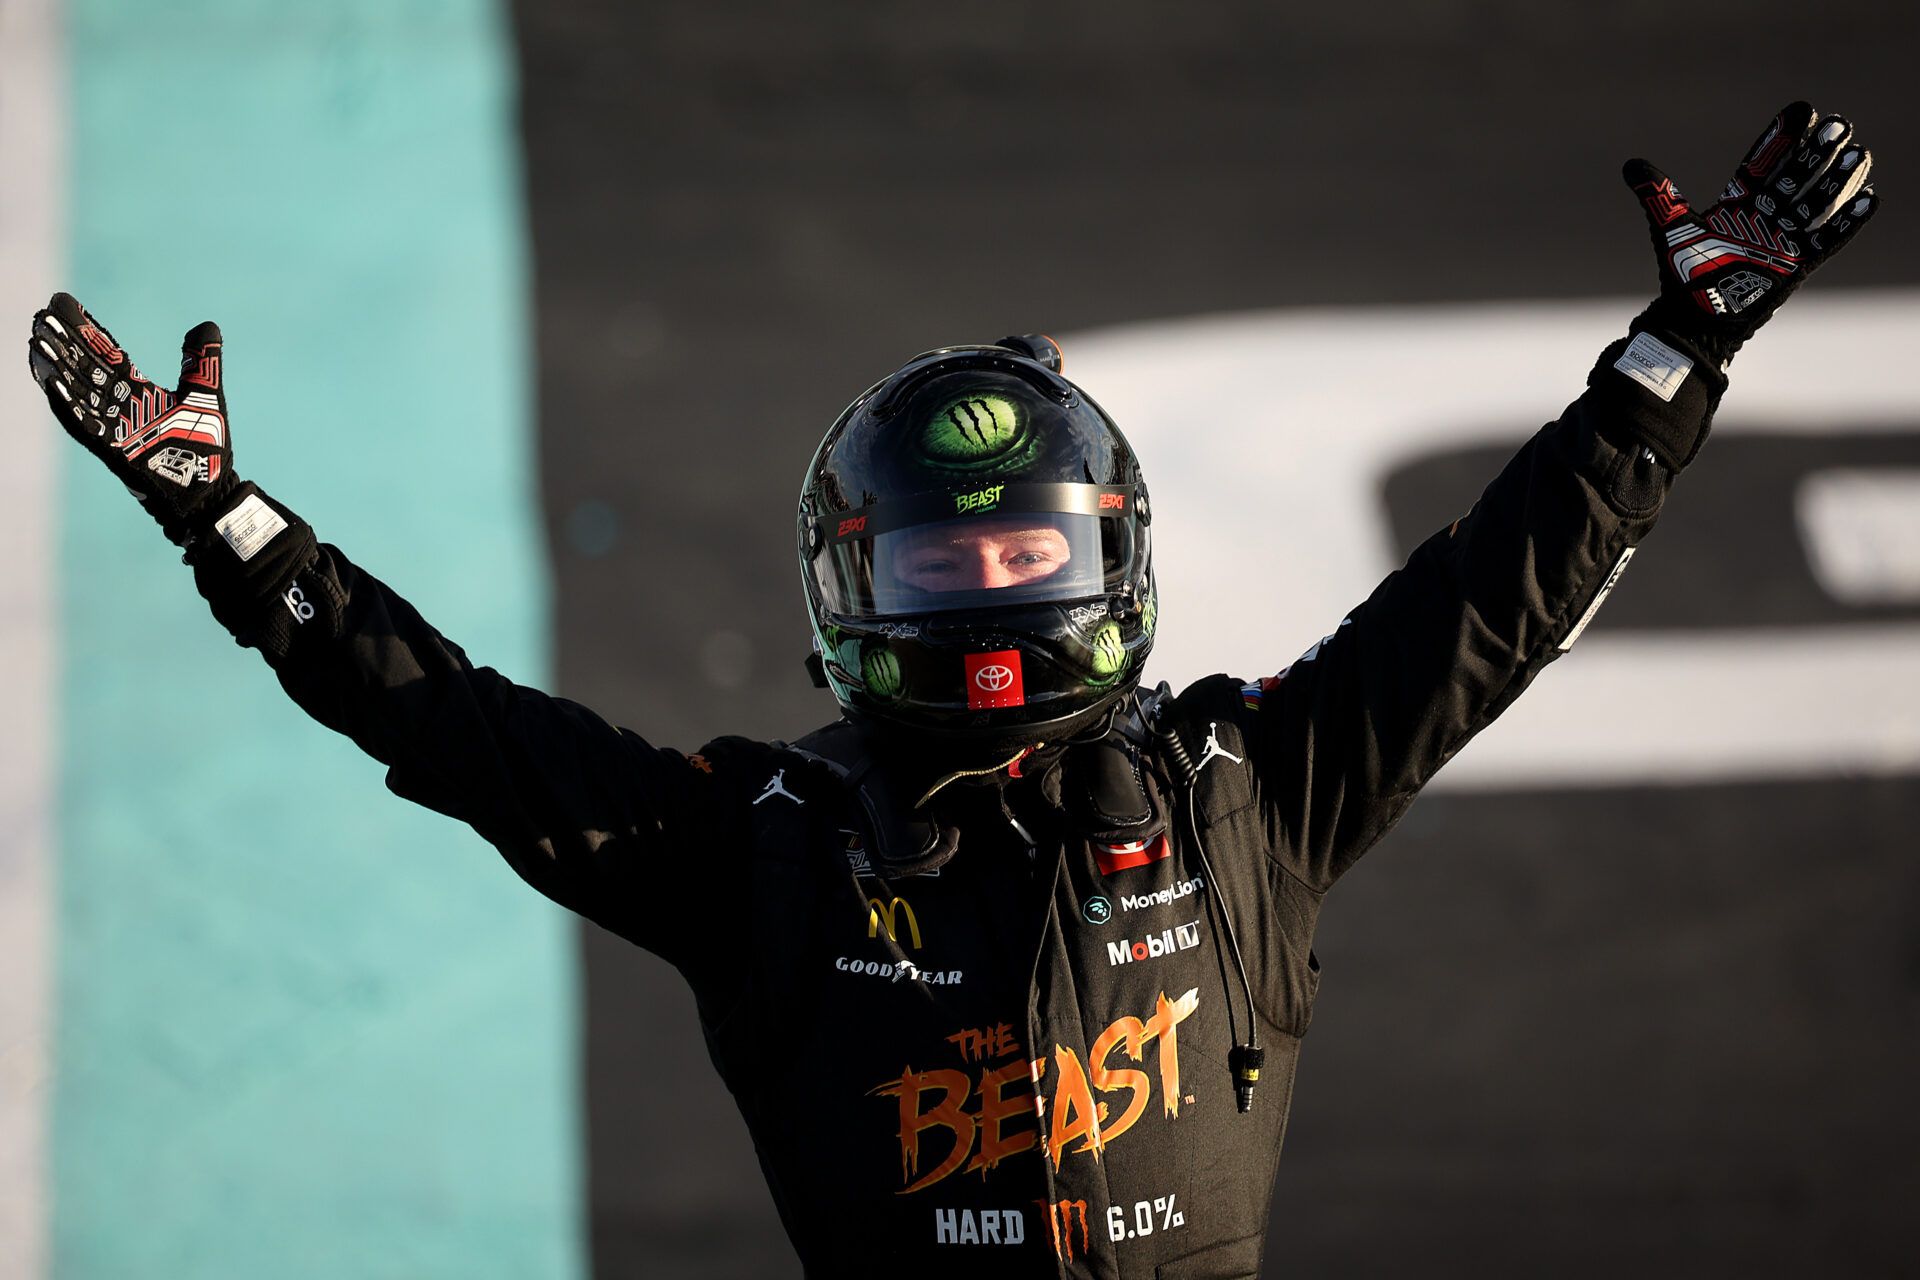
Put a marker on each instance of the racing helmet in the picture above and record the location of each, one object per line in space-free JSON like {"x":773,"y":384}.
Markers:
{"x":973,"y":537}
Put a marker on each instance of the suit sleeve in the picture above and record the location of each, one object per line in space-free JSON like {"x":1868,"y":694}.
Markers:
{"x":586,"y":813}
{"x":1347,"y":735}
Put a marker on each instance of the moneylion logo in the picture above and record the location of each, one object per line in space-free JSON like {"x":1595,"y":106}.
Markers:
{"x":1161,"y":897}
{"x":878,"y":911}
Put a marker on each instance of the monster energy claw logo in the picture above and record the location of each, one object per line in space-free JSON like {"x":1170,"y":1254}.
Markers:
{"x":1109,"y":653}
{"x":881,"y":670}
{"x":975,"y":431}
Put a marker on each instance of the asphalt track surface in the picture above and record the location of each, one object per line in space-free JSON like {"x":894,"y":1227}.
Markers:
{"x":1652,"y":1031}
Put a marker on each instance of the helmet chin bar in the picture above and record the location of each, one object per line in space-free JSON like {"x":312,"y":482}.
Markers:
{"x":939,"y":750}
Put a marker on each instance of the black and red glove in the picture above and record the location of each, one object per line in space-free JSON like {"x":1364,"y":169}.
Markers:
{"x":1798,"y":197}
{"x":171,"y":448}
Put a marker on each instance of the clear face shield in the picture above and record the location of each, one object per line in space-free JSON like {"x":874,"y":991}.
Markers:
{"x":977,"y":561}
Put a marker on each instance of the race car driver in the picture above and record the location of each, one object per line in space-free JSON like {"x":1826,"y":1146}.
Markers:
{"x":1032,"y":948}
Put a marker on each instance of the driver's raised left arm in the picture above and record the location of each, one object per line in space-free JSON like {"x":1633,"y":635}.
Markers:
{"x":1359,"y":724}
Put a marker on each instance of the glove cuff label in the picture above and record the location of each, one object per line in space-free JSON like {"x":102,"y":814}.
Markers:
{"x":250,"y":526}
{"x":1654,"y":365}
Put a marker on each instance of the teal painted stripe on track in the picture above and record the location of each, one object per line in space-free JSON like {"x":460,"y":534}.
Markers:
{"x":305,"y":1030}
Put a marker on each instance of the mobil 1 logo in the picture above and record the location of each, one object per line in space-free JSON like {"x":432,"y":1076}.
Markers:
{"x":1154,"y":946}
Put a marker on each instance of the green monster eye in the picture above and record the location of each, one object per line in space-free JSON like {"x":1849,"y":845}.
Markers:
{"x":975,"y":432}
{"x":881,"y":670}
{"x":1149,"y":612}
{"x":1109,"y":655}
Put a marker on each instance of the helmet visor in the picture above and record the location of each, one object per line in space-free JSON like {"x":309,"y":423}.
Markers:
{"x":975,"y":562}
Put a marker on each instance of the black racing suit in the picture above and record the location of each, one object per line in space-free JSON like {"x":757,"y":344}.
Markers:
{"x":1019,"y":1062}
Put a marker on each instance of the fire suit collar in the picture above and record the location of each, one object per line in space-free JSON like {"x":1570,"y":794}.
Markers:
{"x":1103,"y":789}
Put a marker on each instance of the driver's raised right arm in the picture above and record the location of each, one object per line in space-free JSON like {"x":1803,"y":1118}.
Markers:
{"x":583,"y":811}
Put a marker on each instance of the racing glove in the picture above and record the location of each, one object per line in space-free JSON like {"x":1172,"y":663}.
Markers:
{"x":172,"y":449}
{"x":1798,"y":197}
{"x":1800,"y":194}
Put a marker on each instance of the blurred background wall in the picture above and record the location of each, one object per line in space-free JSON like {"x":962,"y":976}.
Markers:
{"x":296,"y":1029}
{"x":1633,"y":990}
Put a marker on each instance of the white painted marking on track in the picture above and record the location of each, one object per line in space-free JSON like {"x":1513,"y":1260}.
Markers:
{"x":1862,"y":533}
{"x":32,"y":144}
{"x":1266,"y":438}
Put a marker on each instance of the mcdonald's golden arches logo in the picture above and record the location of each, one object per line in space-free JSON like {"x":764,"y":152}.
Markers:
{"x":889,"y":911}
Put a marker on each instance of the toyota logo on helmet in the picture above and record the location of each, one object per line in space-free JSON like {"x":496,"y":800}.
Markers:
{"x":994,"y":678}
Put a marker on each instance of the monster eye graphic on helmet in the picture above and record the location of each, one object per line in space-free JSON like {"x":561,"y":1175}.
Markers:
{"x":977,"y":432}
